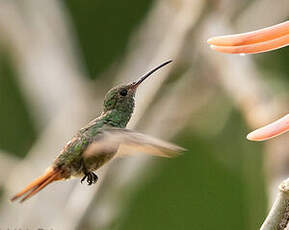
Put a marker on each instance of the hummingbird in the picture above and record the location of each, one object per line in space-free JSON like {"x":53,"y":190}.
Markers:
{"x":101,"y":140}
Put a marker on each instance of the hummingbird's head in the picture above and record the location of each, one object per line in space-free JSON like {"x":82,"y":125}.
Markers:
{"x":122,"y":97}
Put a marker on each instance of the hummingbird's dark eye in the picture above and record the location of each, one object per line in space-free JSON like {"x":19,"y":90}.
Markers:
{"x":123,"y":92}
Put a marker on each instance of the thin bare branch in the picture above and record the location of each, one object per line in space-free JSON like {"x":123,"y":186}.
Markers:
{"x":278,"y":216}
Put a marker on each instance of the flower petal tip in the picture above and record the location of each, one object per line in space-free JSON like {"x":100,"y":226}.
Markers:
{"x":255,"y":136}
{"x":210,"y":41}
{"x":250,"y":137}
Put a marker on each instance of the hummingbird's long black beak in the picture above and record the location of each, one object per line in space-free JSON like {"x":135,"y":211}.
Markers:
{"x":137,"y":83}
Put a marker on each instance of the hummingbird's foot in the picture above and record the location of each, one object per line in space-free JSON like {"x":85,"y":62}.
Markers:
{"x":91,"y":178}
{"x":83,"y":178}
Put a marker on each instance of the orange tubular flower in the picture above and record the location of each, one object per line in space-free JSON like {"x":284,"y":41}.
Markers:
{"x":258,"y":41}
{"x":269,"y":131}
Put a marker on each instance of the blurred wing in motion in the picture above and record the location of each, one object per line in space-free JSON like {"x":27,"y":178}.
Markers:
{"x":258,"y":41}
{"x":274,"y":129}
{"x":128,"y":142}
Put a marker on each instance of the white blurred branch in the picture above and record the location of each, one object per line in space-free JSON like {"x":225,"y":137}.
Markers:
{"x":7,"y":164}
{"x":41,"y":46}
{"x":278,"y":216}
{"x":52,"y":80}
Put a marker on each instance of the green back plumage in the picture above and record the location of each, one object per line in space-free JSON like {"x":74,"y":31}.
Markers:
{"x":117,"y":110}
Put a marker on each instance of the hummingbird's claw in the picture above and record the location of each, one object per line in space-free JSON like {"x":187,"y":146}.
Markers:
{"x":90,"y":177}
{"x":94,"y":177}
{"x":83,"y":179}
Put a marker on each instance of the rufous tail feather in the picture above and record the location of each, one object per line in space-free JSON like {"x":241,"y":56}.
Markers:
{"x":38,"y":184}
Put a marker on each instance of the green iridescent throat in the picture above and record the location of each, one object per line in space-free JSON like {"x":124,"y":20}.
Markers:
{"x":119,"y":117}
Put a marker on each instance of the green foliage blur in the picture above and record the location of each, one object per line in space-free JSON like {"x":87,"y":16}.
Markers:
{"x":17,"y":131}
{"x":196,"y":191}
